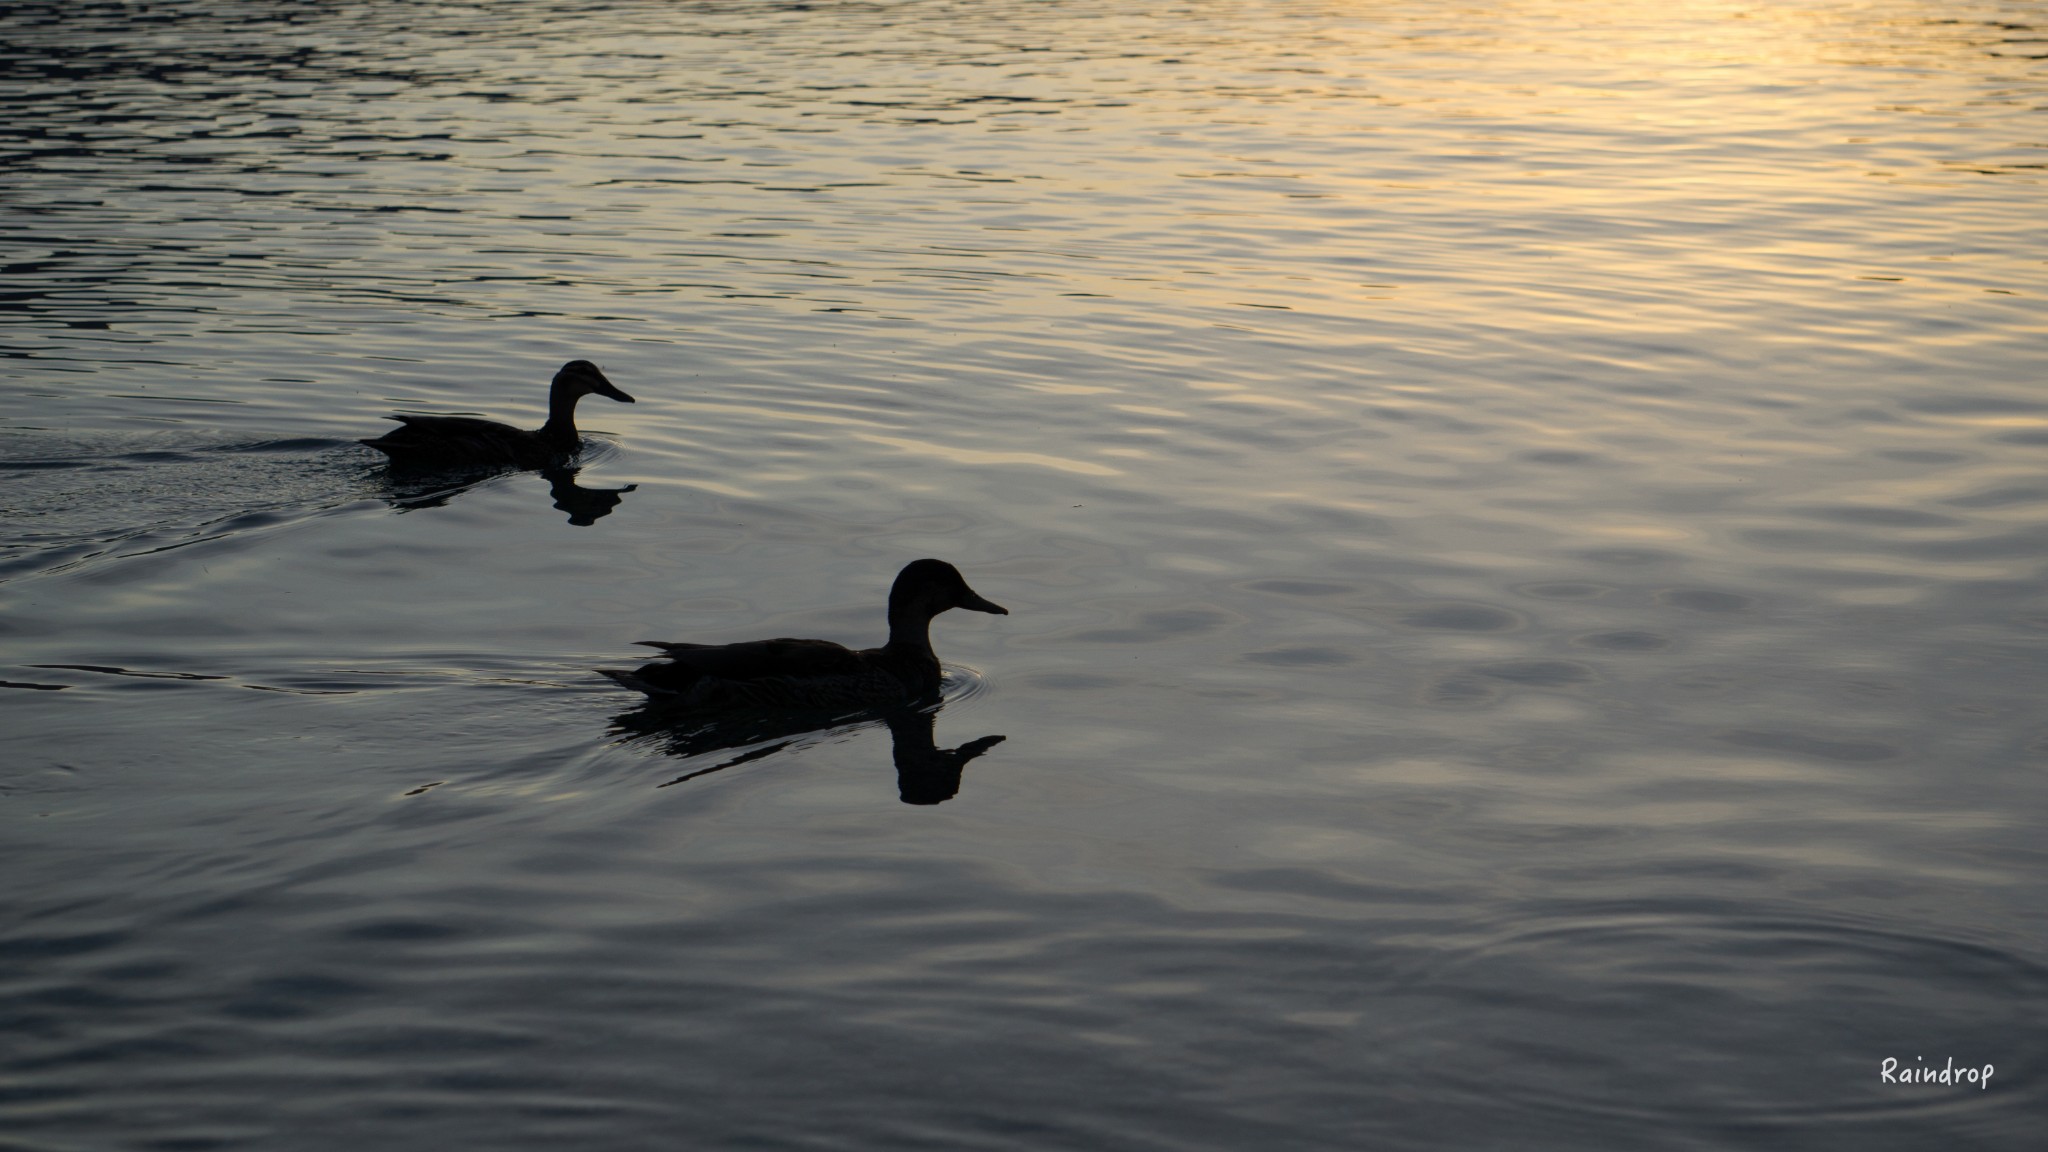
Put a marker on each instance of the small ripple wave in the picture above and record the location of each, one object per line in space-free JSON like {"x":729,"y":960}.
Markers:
{"x":1786,"y":1021}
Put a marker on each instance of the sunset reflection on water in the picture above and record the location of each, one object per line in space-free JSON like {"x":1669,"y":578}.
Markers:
{"x":1523,"y":523}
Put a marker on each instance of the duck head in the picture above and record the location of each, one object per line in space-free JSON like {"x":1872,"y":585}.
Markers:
{"x":582,"y":378}
{"x":928,"y":587}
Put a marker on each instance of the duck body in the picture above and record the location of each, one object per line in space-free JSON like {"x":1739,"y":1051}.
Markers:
{"x":793,"y":674}
{"x":468,"y":442}
{"x":781,"y":673}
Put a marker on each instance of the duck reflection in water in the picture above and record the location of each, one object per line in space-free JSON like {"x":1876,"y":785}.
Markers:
{"x":712,"y":696}
{"x":925,"y":772}
{"x":585,"y":506}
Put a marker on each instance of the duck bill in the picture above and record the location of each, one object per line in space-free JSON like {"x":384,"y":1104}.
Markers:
{"x":611,"y":391}
{"x":973,"y":600}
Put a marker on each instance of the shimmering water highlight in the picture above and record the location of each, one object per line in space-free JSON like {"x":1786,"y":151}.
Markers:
{"x":1523,"y":524}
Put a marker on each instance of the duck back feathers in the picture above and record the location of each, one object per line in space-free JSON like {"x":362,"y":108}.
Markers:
{"x":780,"y":673}
{"x":467,"y":441}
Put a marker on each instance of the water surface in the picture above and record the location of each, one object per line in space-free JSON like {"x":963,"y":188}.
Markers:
{"x":1524,"y":528}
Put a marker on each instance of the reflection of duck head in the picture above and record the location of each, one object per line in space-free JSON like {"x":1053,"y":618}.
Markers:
{"x":439,"y":442}
{"x":925,"y":773}
{"x":585,"y":506}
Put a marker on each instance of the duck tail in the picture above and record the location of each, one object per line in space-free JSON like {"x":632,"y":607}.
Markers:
{"x":633,"y":681}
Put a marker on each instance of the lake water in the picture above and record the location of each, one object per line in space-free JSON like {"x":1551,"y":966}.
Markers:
{"x":1524,"y":527}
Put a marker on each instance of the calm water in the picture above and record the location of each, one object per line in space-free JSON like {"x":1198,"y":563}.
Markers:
{"x":1524,"y":526}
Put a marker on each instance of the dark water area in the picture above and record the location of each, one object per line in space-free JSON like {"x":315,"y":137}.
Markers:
{"x":1524,"y":530}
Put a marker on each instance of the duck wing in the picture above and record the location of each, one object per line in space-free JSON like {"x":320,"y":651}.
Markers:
{"x":763,"y":659}
{"x":783,"y":672}
{"x":458,"y":440}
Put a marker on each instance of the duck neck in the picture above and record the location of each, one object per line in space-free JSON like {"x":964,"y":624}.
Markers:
{"x":561,"y":425}
{"x":910,"y":633}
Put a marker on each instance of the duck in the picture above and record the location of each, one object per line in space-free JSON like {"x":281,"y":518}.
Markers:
{"x":791,"y":674}
{"x":468,"y":442}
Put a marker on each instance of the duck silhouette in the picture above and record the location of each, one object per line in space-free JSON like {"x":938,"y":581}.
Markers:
{"x":467,"y":442}
{"x":815,"y":675}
